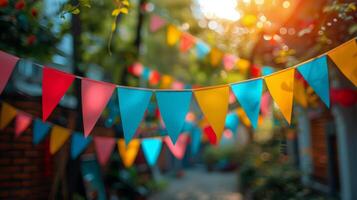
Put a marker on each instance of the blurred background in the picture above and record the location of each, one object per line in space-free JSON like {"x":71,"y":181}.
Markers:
{"x":148,"y":43}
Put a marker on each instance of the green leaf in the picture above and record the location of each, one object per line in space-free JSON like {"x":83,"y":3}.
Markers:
{"x":76,"y":11}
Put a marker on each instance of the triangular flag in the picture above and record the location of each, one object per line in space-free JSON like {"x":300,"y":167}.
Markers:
{"x":55,"y":83}
{"x":195,"y":140}
{"x":79,"y":144}
{"x":151,"y":148}
{"x":265,"y":104}
{"x":281,"y":87}
{"x":215,"y":56}
{"x":229,"y":61}
{"x":156,"y":23}
{"x":172,"y":35}
{"x":214,"y":105}
{"x":104,"y":147}
{"x":187,"y":42}
{"x":22,"y":121}
{"x":8,"y":113}
{"x":178,"y":149}
{"x":232,"y":122}
{"x":59,"y":136}
{"x":95,"y":96}
{"x":249,"y":95}
{"x":7,"y":65}
{"x":202,"y":49}
{"x":300,"y":95}
{"x":345,"y":57}
{"x":210,"y":135}
{"x":132,"y":104}
{"x":316,"y":74}
{"x":173,"y":108}
{"x":128,"y":152}
{"x":40,"y":130}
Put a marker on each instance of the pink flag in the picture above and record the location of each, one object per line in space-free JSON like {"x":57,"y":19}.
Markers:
{"x":229,"y":61}
{"x":7,"y":64}
{"x":156,"y":23}
{"x":95,"y":96}
{"x":54,"y":85}
{"x":104,"y":147}
{"x":178,"y":149}
{"x":265,"y":104}
{"x":22,"y":121}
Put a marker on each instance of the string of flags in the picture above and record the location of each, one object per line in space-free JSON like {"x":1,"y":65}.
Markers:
{"x":174,"y":104}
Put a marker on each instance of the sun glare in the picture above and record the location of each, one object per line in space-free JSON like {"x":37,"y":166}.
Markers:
{"x":219,"y":9}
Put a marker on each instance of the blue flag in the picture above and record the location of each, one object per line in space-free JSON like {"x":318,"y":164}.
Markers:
{"x":151,"y":148}
{"x":195,"y":140}
{"x":316,"y":74}
{"x":249,"y":95}
{"x":202,"y":49}
{"x":78,"y":144}
{"x":132,"y":105}
{"x":266,"y":70}
{"x":232,"y":122}
{"x":40,"y":130}
{"x":173,"y":108}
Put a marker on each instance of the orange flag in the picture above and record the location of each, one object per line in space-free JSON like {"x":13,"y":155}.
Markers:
{"x":299,"y":93}
{"x":8,"y":113}
{"x":128,"y":152}
{"x":215,"y":56}
{"x":281,"y":87}
{"x":214,"y":105}
{"x":172,"y":35}
{"x":187,"y":42}
{"x":345,"y":57}
{"x":59,"y":136}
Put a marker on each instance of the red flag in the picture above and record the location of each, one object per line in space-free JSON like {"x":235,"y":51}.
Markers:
{"x":22,"y":121}
{"x":95,"y":96}
{"x":104,"y":147}
{"x":55,"y":83}
{"x":7,"y":64}
{"x":156,"y":23}
{"x":187,"y":42}
{"x":211,"y":136}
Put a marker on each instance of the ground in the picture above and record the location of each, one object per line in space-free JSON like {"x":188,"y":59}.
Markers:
{"x":198,"y":184}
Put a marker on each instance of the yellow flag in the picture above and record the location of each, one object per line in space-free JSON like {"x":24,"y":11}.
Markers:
{"x":215,"y":56}
{"x":243,"y":65}
{"x":8,"y":113}
{"x":172,"y":35}
{"x":345,"y":57}
{"x":300,"y":93}
{"x":281,"y":87}
{"x":166,"y":82}
{"x":128,"y":152}
{"x":59,"y":136}
{"x":214,"y":105}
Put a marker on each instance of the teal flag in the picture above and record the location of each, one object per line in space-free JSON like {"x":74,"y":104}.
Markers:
{"x":232,"y":122}
{"x":151,"y":148}
{"x":40,"y":130}
{"x":173,"y":107}
{"x":132,"y":105}
{"x":202,"y":49}
{"x":196,"y":135}
{"x":249,"y":95}
{"x":78,"y":144}
{"x":315,"y":73}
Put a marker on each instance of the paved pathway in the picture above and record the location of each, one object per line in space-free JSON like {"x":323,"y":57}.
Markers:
{"x":198,"y":184}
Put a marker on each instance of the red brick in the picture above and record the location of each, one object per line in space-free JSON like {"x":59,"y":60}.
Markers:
{"x":10,"y":169}
{"x":5,"y":176}
{"x":22,"y":175}
{"x":23,"y":146}
{"x":5,"y":146}
{"x":5,"y":161}
{"x":24,"y":139}
{"x":31,"y":168}
{"x":20,"y":161}
{"x":33,"y":153}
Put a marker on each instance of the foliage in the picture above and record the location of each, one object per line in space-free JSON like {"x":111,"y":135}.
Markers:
{"x":219,"y":157}
{"x":266,"y":173}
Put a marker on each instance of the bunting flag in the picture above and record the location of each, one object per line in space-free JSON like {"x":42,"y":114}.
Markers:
{"x":299,"y":93}
{"x":8,"y":113}
{"x":187,"y":42}
{"x":104,"y":147}
{"x":128,"y":151}
{"x":316,"y":74}
{"x":215,"y":56}
{"x":54,"y":85}
{"x":7,"y":65}
{"x":95,"y":96}
{"x":267,"y":70}
{"x":214,"y":105}
{"x":79,"y":144}
{"x":173,"y":108}
{"x":229,"y":61}
{"x":249,"y":95}
{"x":178,"y":149}
{"x":210,"y":135}
{"x":22,"y":121}
{"x":166,"y":82}
{"x":172,"y":35}
{"x":281,"y":87}
{"x":196,"y":135}
{"x":345,"y":57}
{"x":202,"y":49}
{"x":265,"y":104}
{"x":59,"y":136}
{"x":151,"y":148}
{"x":132,"y":105}
{"x":156,"y":23}
{"x":40,"y":130}
{"x":232,"y":122}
